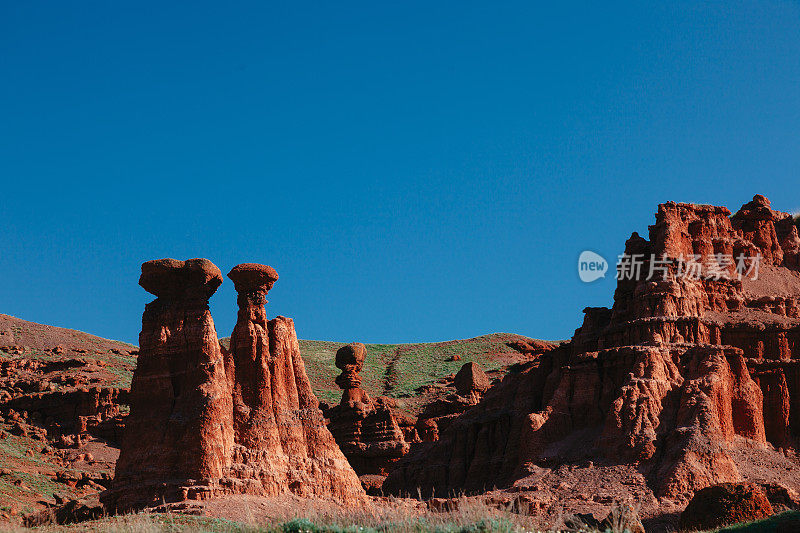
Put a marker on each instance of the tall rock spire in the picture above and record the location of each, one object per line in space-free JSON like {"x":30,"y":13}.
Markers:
{"x":179,"y":428}
{"x":282,"y":444}
{"x":205,"y":423}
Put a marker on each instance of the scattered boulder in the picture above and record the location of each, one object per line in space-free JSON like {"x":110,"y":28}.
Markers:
{"x":471,"y":382}
{"x":372,"y":483}
{"x":725,"y":504}
{"x":471,"y":379}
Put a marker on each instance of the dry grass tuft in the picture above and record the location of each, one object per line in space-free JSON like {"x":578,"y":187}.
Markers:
{"x":389,"y":516}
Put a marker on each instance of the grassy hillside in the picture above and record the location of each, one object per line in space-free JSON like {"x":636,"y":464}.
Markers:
{"x":400,"y":370}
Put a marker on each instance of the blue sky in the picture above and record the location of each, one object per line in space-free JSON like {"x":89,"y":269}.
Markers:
{"x":414,"y":170}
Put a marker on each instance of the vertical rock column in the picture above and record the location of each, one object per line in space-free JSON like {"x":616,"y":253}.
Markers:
{"x":281,"y":442}
{"x":365,"y":429}
{"x":350,"y":360}
{"x":250,"y":371}
{"x":179,"y":431}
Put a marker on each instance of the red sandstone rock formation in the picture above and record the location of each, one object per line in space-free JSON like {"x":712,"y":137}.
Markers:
{"x":674,"y":378}
{"x":724,"y":504}
{"x":203,"y":425}
{"x":471,"y":382}
{"x":281,"y":442}
{"x":366,"y":430}
{"x":179,"y":429}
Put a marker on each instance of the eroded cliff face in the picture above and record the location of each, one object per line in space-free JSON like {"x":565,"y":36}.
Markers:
{"x":677,"y":375}
{"x":204,"y":423}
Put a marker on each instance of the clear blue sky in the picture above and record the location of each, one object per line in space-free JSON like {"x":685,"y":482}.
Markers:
{"x":413,"y":170}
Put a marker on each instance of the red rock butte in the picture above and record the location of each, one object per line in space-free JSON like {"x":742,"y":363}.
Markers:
{"x":693,"y":381}
{"x":207,"y":423}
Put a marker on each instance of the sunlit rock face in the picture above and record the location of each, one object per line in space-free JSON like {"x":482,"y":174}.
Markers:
{"x":677,"y":376}
{"x":204,"y":423}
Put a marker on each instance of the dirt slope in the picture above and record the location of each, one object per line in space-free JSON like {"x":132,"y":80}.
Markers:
{"x":63,"y":399}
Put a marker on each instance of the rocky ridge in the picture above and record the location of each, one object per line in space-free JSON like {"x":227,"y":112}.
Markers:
{"x":690,"y":381}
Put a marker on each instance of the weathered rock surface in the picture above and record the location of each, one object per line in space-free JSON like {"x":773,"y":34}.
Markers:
{"x":204,"y":424}
{"x":365,"y":429}
{"x":471,"y":380}
{"x":281,"y":444}
{"x":471,"y":383}
{"x":724,"y":504}
{"x":179,"y":429}
{"x":675,"y":378}
{"x":63,"y":394}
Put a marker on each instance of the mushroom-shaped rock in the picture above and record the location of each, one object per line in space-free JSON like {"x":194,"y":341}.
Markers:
{"x":350,"y":359}
{"x":206,"y":422}
{"x":367,"y":431}
{"x":351,"y":356}
{"x":471,"y":378}
{"x":173,"y":279}
{"x":179,"y":427}
{"x":252,"y":277}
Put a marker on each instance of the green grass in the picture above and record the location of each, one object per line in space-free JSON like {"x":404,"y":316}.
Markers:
{"x":398,"y":370}
{"x":14,"y":457}
{"x":303,"y":525}
{"x":150,"y":523}
{"x":768,"y":525}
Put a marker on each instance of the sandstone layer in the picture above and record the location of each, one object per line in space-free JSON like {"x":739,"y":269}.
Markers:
{"x":203,"y":423}
{"x":680,"y":376}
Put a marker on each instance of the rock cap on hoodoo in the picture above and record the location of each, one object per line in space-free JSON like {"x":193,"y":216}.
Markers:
{"x":172,"y":278}
{"x":351,"y":354}
{"x":253,"y":277}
